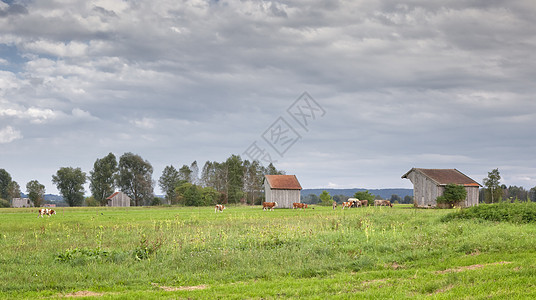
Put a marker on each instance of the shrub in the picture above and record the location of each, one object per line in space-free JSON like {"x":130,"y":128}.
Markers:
{"x":498,"y":212}
{"x":4,"y":203}
{"x":453,"y":194}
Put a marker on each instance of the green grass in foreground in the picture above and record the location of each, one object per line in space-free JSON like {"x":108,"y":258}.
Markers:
{"x":245,"y":252}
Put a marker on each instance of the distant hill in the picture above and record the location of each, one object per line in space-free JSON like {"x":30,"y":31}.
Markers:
{"x":384,"y":193}
{"x":48,"y":197}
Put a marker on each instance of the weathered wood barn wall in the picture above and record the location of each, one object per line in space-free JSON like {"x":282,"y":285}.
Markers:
{"x":21,"y":202}
{"x":118,"y":199}
{"x":283,"y":189}
{"x":428,"y":184}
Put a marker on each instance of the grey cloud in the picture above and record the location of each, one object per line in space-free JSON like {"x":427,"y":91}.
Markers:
{"x":424,"y":84}
{"x":12,"y":10}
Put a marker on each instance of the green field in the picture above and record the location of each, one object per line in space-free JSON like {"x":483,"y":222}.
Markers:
{"x":247,"y":253}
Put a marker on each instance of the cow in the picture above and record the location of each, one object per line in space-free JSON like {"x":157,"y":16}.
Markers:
{"x":364,"y":202}
{"x":46,"y":211}
{"x":269,"y":205}
{"x":219,"y":208}
{"x":382,"y":203}
{"x":334,"y":205}
{"x":299,"y":205}
{"x":354,"y":202}
{"x":346,"y":204}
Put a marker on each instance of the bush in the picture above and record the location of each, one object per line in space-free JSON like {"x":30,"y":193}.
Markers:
{"x":453,"y":194}
{"x":498,"y":212}
{"x":4,"y":203}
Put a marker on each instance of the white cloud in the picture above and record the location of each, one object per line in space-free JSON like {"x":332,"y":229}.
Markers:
{"x":8,"y":135}
{"x":59,"y":49}
{"x":145,"y":123}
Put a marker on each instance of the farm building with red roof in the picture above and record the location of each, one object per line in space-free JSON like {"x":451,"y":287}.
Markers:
{"x":118,"y":199}
{"x":283,"y":189}
{"x":428,"y":184}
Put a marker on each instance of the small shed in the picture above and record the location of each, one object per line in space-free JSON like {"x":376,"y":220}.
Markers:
{"x":118,"y":199}
{"x":283,"y":189}
{"x":428,"y":184}
{"x":21,"y":202}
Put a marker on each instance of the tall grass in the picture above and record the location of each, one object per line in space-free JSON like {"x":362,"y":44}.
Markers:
{"x":249,"y":253}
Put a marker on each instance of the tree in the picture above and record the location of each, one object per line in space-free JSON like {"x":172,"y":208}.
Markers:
{"x":168,"y":182}
{"x":453,"y":194}
{"x":516,"y":193}
{"x":253,"y":179}
{"x":408,"y":199}
{"x":492,"y":184}
{"x":340,"y":198}
{"x":102,"y":178}
{"x":13,"y":190}
{"x":532,"y":194}
{"x":5,"y":180}
{"x":36,"y":192}
{"x":235,"y":179}
{"x":395,"y":198}
{"x":325,"y":199}
{"x":271,"y":170}
{"x":135,"y":178}
{"x":70,"y":183}
{"x":311,"y":199}
{"x":365,"y":195}
{"x":194,"y":175}
{"x":185,"y":174}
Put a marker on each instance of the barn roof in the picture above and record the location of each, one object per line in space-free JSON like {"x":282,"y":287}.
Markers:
{"x":283,"y":182}
{"x":445,"y":176}
{"x":113,"y":195}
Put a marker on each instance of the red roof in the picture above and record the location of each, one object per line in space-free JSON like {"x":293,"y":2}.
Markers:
{"x":445,"y":176}
{"x":113,"y":195}
{"x":283,"y":182}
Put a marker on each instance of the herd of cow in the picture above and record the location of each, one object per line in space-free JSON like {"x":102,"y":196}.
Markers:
{"x":352,"y":202}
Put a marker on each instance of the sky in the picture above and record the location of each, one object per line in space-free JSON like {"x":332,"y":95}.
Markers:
{"x":343,"y":94}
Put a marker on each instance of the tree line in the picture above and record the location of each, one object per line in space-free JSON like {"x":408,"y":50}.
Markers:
{"x":232,"y":181}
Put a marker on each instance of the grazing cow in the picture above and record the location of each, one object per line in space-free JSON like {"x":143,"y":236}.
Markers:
{"x":364,"y":202}
{"x":219,"y":208}
{"x":269,"y":205}
{"x":299,"y":205}
{"x":346,"y":204}
{"x":382,"y":203}
{"x":354,"y":202}
{"x":334,"y":205}
{"x":46,"y":211}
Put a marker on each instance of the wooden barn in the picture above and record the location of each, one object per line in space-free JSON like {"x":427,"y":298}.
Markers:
{"x":118,"y":199}
{"x":283,"y":189}
{"x":21,"y":202}
{"x":428,"y":184}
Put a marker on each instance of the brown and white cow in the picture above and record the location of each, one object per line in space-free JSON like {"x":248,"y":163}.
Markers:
{"x":382,"y":203}
{"x":219,"y":208}
{"x":299,"y":205}
{"x":334,"y":205}
{"x":346,"y":204}
{"x":269,"y":205}
{"x":46,"y":211}
{"x":354,"y":202}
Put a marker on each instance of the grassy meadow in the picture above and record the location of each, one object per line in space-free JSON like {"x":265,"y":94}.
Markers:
{"x":247,"y":253}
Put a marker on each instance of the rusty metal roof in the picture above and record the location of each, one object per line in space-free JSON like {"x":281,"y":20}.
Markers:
{"x":113,"y":195}
{"x":445,"y":176}
{"x":283,"y":182}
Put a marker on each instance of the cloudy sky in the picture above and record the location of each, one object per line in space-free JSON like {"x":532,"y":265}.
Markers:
{"x":390,"y":85}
